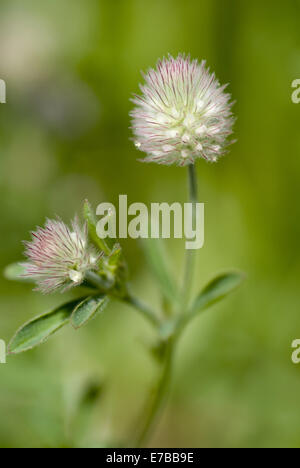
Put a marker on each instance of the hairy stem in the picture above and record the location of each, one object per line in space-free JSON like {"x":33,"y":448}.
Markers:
{"x":190,"y":256}
{"x":158,"y":395}
{"x":143,"y":309}
{"x":95,"y":281}
{"x":105,"y":287}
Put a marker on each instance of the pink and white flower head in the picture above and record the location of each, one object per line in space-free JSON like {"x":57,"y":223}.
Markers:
{"x":59,"y":257}
{"x":183,"y":114}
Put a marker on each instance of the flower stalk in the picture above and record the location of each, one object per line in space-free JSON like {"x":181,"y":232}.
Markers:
{"x":159,"y":396}
{"x":190,"y":262}
{"x":143,"y":309}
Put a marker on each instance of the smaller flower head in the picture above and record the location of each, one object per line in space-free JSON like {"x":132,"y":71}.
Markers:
{"x":59,"y":257}
{"x":183,"y":113}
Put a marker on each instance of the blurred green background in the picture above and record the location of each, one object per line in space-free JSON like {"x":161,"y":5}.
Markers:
{"x":70,"y":69}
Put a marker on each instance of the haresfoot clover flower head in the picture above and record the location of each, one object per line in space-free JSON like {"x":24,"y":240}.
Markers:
{"x":183,"y":114}
{"x":59,"y":257}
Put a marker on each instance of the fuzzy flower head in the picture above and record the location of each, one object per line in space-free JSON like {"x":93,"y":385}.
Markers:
{"x":59,"y":257}
{"x":183,"y":113}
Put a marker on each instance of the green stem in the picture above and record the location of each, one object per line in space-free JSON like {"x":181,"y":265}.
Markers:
{"x":158,"y":396}
{"x":143,"y":309}
{"x":105,"y":287}
{"x":97,"y":282}
{"x":190,"y":260}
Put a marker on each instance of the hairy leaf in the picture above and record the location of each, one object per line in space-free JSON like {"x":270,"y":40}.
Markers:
{"x":157,"y":259}
{"x":91,"y":220}
{"x":217,"y":289}
{"x":38,"y":330}
{"x":88,"y":309}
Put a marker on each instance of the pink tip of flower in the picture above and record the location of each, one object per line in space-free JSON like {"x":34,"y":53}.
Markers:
{"x":58,"y":257}
{"x":183,"y":113}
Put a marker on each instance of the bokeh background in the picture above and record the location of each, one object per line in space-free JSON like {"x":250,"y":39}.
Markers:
{"x":70,"y":69}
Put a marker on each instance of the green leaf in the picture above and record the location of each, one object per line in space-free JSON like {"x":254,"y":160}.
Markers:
{"x":15,"y":271}
{"x":91,"y":220}
{"x":115,"y":256}
{"x":87,"y":309}
{"x":217,"y":289}
{"x":157,"y":259}
{"x":38,"y":330}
